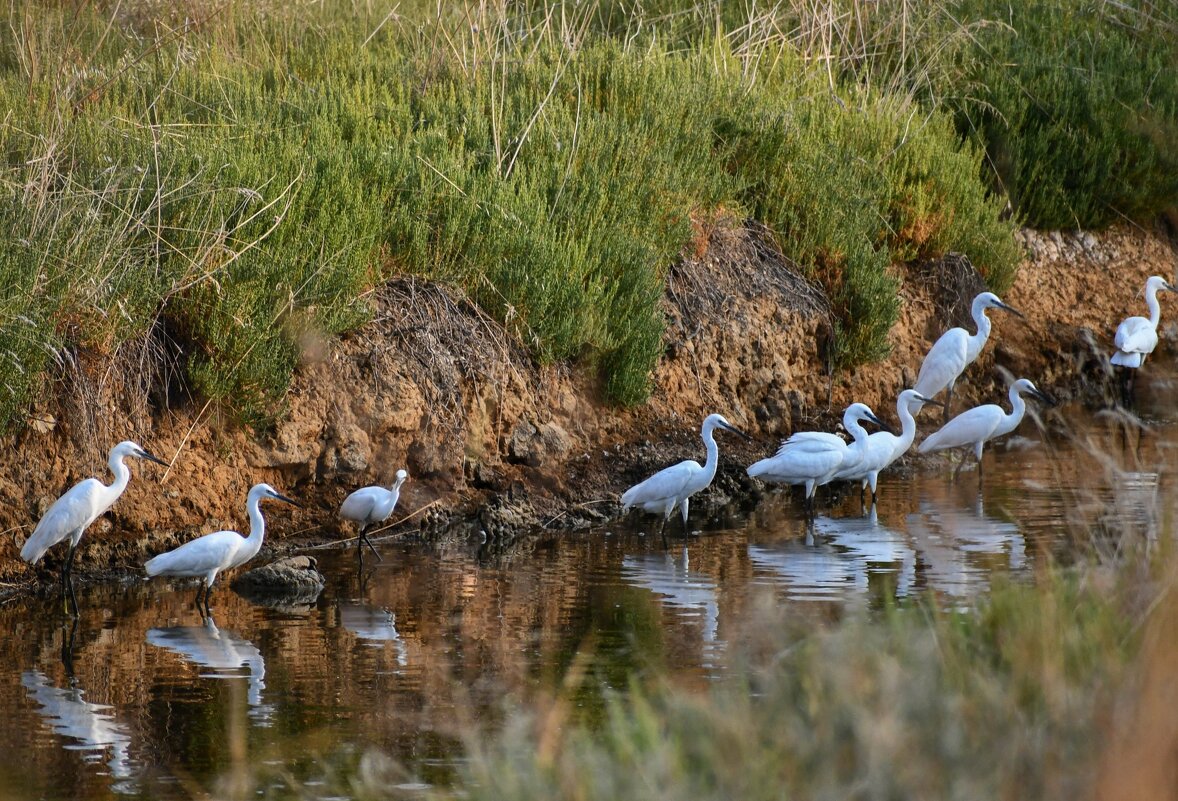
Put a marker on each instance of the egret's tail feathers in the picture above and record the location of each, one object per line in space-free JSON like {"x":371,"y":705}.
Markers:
{"x":1123,"y":359}
{"x":758,"y":468}
{"x":34,"y":548}
{"x":155,"y":565}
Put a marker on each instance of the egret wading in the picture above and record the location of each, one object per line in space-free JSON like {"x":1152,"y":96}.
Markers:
{"x":812,"y":458}
{"x":885,"y":447}
{"x":207,"y":556}
{"x":672,"y":486}
{"x":80,"y":506}
{"x":369,"y":506}
{"x":954,"y":351}
{"x":983,"y":423}
{"x":1137,"y":336}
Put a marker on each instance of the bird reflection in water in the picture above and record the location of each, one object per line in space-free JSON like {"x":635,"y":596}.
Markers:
{"x":92,"y":727}
{"x":374,"y":625}
{"x":837,"y":558}
{"x":219,"y":651}
{"x":957,"y":545}
{"x":672,"y":579}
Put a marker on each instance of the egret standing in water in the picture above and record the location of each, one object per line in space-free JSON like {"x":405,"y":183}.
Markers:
{"x":983,"y":423}
{"x":1137,"y":336}
{"x":885,"y":447}
{"x":672,"y":486}
{"x":812,"y":458}
{"x":80,"y":506}
{"x":207,"y":556}
{"x":954,"y":351}
{"x":369,"y":506}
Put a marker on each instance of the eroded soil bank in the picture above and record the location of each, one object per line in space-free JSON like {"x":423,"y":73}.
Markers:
{"x":488,"y":436}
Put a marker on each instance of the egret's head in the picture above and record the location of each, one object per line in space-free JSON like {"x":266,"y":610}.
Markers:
{"x":988,"y":300}
{"x":401,"y":476}
{"x":714,"y":421}
{"x":1155,"y":283}
{"x":910,"y":396}
{"x":261,"y":491}
{"x":129,"y":448}
{"x":861,"y":412}
{"x":1024,"y":386}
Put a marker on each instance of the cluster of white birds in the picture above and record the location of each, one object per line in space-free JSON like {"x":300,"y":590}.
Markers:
{"x":808,"y":458}
{"x":814,"y":458}
{"x":204,"y":557}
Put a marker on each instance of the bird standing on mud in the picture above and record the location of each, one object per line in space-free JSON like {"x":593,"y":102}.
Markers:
{"x":369,"y":506}
{"x":983,"y":423}
{"x":1137,"y":336}
{"x":672,"y":486}
{"x":80,"y":506}
{"x":207,"y":556}
{"x":954,"y":351}
{"x":812,"y":458}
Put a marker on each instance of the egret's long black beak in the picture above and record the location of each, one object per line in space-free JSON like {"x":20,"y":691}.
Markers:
{"x":735,"y":430}
{"x":1170,"y":287}
{"x":929,"y":401}
{"x":882,"y":424}
{"x":150,"y":458}
{"x":1043,"y":397}
{"x":285,"y":499}
{"x":1012,"y":310}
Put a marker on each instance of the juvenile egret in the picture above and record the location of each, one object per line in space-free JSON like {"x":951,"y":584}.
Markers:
{"x":222,"y":550}
{"x":80,"y":506}
{"x":982,"y":423}
{"x":369,"y":506}
{"x":885,"y":447}
{"x":672,"y":486}
{"x":954,"y":351}
{"x":813,"y":458}
{"x":1137,"y":336}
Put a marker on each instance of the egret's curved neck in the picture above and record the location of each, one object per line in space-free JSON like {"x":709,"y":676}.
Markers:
{"x":908,"y":425}
{"x":713,"y":454}
{"x":978,"y":341}
{"x":396,"y":487}
{"x":257,"y":524}
{"x":1018,"y":408}
{"x":858,"y":432}
{"x":1155,"y":309}
{"x":122,"y":476}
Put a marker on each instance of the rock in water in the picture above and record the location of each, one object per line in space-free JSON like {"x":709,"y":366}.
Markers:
{"x":293,"y":580}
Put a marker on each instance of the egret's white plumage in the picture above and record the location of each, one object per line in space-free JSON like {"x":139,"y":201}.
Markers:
{"x":983,"y":423}
{"x":954,"y":351}
{"x":211,"y":554}
{"x":812,"y":458}
{"x":81,"y":505}
{"x":1138,"y":336}
{"x":885,"y":447}
{"x":371,"y":505}
{"x":671,"y":487}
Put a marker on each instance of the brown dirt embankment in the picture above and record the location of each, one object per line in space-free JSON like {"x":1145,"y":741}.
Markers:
{"x":433,"y":385}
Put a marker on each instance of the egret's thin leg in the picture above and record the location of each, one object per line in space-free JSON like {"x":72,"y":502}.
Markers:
{"x":67,"y":650}
{"x":663,"y":532}
{"x":208,"y":593}
{"x":200,"y":588}
{"x":960,"y":465}
{"x":683,"y":513}
{"x":372,"y":548}
{"x":68,"y":573}
{"x":948,"y":403}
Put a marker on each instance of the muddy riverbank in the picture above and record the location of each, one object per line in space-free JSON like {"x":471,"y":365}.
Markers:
{"x":433,"y":385}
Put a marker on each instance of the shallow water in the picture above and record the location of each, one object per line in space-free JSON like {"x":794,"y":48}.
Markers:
{"x":142,"y":698}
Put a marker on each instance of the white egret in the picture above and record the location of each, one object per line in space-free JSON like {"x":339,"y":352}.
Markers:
{"x":983,"y":423}
{"x":81,"y":505}
{"x":672,"y":486}
{"x":954,"y":351}
{"x":812,"y":458}
{"x":222,"y":550}
{"x":369,"y":506}
{"x":1137,"y":336}
{"x":885,"y":447}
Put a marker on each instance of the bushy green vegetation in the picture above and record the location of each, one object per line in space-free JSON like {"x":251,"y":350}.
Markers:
{"x":238,"y":177}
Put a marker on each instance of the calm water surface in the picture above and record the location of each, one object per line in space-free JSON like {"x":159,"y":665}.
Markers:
{"x":143,"y":699}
